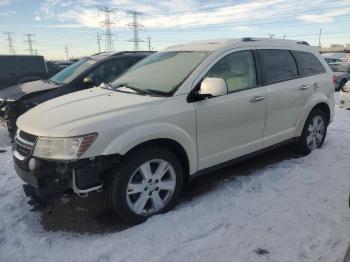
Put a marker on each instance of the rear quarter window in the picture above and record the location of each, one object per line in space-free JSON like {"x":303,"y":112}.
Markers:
{"x":278,"y":65}
{"x":30,"y":65}
{"x":310,"y":65}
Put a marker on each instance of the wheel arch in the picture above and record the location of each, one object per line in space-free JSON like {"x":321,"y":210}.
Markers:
{"x":169,"y":144}
{"x":321,"y":105}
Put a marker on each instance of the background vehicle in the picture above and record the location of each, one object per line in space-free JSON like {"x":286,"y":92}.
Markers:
{"x":332,"y":60}
{"x":15,"y":69}
{"x":341,"y":56}
{"x":342,"y":73}
{"x":344,"y":99}
{"x":177,"y":114}
{"x":86,"y":73}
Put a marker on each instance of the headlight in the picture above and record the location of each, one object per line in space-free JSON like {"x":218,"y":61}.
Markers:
{"x":63,"y":148}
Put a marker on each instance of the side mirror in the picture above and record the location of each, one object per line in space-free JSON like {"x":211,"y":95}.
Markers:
{"x":89,"y":82}
{"x":212,"y":87}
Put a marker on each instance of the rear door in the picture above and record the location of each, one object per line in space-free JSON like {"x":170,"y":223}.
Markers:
{"x":286,"y":95}
{"x":8,"y":75}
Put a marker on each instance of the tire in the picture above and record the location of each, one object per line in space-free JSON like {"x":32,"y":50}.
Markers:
{"x":135,"y":194}
{"x":342,"y":84}
{"x":311,"y":137}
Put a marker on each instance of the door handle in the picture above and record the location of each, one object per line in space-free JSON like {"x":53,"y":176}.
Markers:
{"x":257,"y":99}
{"x":304,"y":87}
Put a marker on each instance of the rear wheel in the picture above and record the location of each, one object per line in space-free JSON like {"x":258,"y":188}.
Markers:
{"x":148,"y":182}
{"x":314,"y":132}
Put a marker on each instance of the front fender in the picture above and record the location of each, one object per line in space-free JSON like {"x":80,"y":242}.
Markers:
{"x":126,"y":141}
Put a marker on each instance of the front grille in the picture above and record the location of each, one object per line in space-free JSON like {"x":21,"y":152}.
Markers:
{"x":28,"y":137}
{"x":24,"y":145}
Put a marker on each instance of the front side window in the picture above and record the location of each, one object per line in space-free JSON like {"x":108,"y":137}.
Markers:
{"x":310,"y":65}
{"x":109,"y":71}
{"x":278,"y":65}
{"x":161,"y":73}
{"x":71,"y":72}
{"x":237,"y":69}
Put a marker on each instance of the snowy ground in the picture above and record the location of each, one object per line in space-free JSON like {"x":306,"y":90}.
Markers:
{"x":295,"y":208}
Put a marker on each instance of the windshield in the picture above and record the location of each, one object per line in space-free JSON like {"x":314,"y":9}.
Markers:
{"x":71,"y":72}
{"x":161,"y":73}
{"x":340,"y":67}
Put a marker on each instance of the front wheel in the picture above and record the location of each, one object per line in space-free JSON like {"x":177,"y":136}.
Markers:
{"x":314,"y":132}
{"x":148,"y":182}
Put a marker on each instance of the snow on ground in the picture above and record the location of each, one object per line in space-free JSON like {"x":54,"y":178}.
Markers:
{"x":296,"y":209}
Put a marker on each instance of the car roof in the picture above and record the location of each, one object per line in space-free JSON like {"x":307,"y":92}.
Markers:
{"x":107,"y":55}
{"x":216,"y":44}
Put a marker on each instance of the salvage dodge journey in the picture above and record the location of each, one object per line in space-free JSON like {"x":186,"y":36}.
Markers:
{"x":177,"y":114}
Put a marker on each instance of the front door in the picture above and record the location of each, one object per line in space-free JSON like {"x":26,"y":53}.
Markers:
{"x":232,"y":125}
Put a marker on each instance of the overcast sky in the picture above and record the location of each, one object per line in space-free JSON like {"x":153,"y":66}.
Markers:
{"x":75,"y":23}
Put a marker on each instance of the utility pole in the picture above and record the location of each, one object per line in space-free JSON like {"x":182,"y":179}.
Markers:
{"x":66,"y":50}
{"x":10,"y":42}
{"x":149,"y":39}
{"x":30,"y":42}
{"x":107,"y":23}
{"x":319,"y":39}
{"x":135,"y":27}
{"x":99,"y":42}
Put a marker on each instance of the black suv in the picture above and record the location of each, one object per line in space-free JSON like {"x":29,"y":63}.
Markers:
{"x":15,"y":69}
{"x":86,"y":73}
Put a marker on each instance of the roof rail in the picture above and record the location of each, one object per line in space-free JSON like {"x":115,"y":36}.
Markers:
{"x":248,"y":39}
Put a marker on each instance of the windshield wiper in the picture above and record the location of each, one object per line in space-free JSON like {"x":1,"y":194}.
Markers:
{"x":106,"y":86}
{"x":52,"y":81}
{"x":135,"y":89}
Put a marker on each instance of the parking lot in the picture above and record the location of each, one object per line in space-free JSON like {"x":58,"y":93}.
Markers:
{"x":274,"y":207}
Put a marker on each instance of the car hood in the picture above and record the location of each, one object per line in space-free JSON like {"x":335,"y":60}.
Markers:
{"x":82,"y":111}
{"x":18,"y":91}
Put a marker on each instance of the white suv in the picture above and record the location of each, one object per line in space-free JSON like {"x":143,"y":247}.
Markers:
{"x":179,"y":113}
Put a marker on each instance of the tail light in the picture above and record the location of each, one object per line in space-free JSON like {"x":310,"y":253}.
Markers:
{"x":334,"y":80}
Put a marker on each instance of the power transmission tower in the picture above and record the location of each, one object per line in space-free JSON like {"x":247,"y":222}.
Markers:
{"x":30,"y":42}
{"x":149,"y":39}
{"x":107,"y":23}
{"x":10,"y":42}
{"x":271,"y":36}
{"x":99,"y":42}
{"x":135,"y":27}
{"x":67,"y":53}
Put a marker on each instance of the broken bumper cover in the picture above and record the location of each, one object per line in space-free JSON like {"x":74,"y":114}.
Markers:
{"x":50,"y":179}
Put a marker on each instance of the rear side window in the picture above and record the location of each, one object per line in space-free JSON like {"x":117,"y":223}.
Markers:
{"x":278,"y":65}
{"x":29,"y":65}
{"x":310,"y":65}
{"x":7,"y":65}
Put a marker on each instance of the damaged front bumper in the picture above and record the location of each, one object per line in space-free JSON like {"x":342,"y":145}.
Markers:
{"x":48,"y":179}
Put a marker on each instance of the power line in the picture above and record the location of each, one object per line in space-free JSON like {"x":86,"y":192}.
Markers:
{"x":135,"y":27}
{"x":10,"y":42}
{"x":107,"y":23}
{"x":30,"y":42}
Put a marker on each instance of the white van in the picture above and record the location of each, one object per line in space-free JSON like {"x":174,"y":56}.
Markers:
{"x":179,"y":113}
